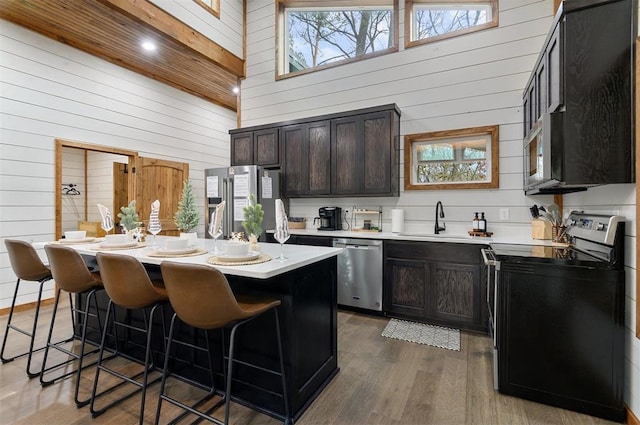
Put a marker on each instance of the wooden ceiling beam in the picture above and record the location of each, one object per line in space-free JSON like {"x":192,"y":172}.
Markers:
{"x":168,"y":26}
{"x":184,"y":59}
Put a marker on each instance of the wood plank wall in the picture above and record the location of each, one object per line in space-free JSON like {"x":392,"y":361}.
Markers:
{"x":51,"y":91}
{"x":469,"y":81}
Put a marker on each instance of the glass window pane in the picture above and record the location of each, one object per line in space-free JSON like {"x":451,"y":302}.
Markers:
{"x":435,"y":151}
{"x":319,"y":36}
{"x":444,"y":172}
{"x":436,"y":19}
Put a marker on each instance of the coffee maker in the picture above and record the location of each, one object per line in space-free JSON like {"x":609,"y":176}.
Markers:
{"x":330,"y":218}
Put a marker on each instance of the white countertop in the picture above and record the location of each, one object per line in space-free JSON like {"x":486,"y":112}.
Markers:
{"x":297,"y":256}
{"x":424,"y":237}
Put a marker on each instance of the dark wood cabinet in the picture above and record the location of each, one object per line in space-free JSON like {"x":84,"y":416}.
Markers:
{"x":454,"y":292}
{"x":364,"y":154}
{"x":306,"y":166}
{"x":405,"y":287}
{"x":436,"y":282}
{"x":554,"y":70}
{"x":266,"y":147}
{"x":260,"y":147}
{"x":352,"y":153}
{"x":583,"y":79}
{"x":242,"y":148}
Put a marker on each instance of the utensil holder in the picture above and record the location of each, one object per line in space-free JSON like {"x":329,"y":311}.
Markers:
{"x":559,"y":234}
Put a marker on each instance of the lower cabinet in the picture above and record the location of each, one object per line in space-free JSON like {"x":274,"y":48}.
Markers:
{"x":436,"y":282}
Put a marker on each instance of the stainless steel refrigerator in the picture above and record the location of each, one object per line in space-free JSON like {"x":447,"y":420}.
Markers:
{"x":234,"y":185}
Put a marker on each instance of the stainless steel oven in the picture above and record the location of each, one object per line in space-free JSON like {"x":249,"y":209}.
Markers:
{"x":556,"y":317}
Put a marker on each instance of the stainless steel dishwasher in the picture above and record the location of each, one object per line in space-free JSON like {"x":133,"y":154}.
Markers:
{"x":360,"y":273}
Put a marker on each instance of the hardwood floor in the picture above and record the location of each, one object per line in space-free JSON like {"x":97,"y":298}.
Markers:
{"x":381,"y":381}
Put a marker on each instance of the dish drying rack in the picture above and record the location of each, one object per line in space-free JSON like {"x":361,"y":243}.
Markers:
{"x":363,"y":214}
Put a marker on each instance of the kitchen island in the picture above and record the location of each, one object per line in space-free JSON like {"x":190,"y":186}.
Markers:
{"x":306,"y":285}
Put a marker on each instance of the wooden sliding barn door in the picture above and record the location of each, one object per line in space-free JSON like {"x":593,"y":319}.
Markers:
{"x":163,"y":180}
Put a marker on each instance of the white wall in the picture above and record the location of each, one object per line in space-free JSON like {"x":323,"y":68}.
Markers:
{"x":226,"y":31}
{"x":467,"y":81}
{"x":49,"y":90}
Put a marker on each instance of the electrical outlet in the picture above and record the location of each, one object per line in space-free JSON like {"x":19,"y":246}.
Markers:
{"x":504,"y":214}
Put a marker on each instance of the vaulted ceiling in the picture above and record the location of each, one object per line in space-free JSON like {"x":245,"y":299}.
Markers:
{"x":114,"y":30}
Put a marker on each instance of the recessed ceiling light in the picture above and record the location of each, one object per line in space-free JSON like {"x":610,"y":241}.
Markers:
{"x":236,"y":90}
{"x":149,"y":46}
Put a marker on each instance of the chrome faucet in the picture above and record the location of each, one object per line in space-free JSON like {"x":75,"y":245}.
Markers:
{"x":439,"y":229}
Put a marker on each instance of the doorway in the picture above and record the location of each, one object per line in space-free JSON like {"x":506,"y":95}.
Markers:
{"x":72,"y":160}
{"x":130,"y":177}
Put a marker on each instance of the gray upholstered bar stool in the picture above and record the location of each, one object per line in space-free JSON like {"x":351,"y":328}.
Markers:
{"x":129,"y":287}
{"x":202,"y":298}
{"x":71,"y":275}
{"x":27,"y":266}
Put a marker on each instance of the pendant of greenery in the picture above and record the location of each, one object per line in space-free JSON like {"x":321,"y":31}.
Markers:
{"x":253,"y":215}
{"x":129,"y":217}
{"x":187,"y":217}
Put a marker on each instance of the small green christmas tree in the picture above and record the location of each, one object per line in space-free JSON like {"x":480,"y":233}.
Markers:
{"x":253,"y":215}
{"x":129,"y":217}
{"x":187,"y":217}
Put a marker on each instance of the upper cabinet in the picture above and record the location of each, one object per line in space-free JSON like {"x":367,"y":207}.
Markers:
{"x":352,"y":153}
{"x":364,"y":151}
{"x":306,"y":159}
{"x":577,"y":105}
{"x":260,"y":147}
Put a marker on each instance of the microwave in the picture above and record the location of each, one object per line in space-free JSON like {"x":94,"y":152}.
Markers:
{"x":543,"y":157}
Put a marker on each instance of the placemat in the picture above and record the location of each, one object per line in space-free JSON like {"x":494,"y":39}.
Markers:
{"x":263,"y":258}
{"x":74,"y":241}
{"x":199,"y":251}
{"x":118,"y":248}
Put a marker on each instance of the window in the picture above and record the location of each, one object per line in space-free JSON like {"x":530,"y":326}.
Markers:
{"x":431,"y":20}
{"x":312,"y":37}
{"x":211,"y":6}
{"x":453,"y":159}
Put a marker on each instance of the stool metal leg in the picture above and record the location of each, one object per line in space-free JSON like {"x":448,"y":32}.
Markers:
{"x":148,"y":361}
{"x":74,"y":357}
{"x":187,"y":408}
{"x":228,"y":370}
{"x":31,"y":335}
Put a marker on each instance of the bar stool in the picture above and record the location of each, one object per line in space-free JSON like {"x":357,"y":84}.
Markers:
{"x":202,"y":298}
{"x":27,"y":266}
{"x":72,"y":276}
{"x":128,"y":285}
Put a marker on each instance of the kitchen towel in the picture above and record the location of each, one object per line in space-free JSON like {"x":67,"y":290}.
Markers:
{"x":397,"y":220}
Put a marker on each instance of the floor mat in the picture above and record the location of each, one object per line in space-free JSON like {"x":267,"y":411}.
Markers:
{"x":421,"y":333}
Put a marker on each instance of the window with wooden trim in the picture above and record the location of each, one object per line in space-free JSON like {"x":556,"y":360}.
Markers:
{"x":453,"y":159}
{"x":431,"y":20}
{"x":314,"y":35}
{"x":211,"y":6}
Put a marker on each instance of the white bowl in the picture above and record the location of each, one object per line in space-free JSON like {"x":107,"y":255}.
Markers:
{"x":176,"y":244}
{"x":117,"y":239}
{"x":75,"y":234}
{"x":236,"y":248}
